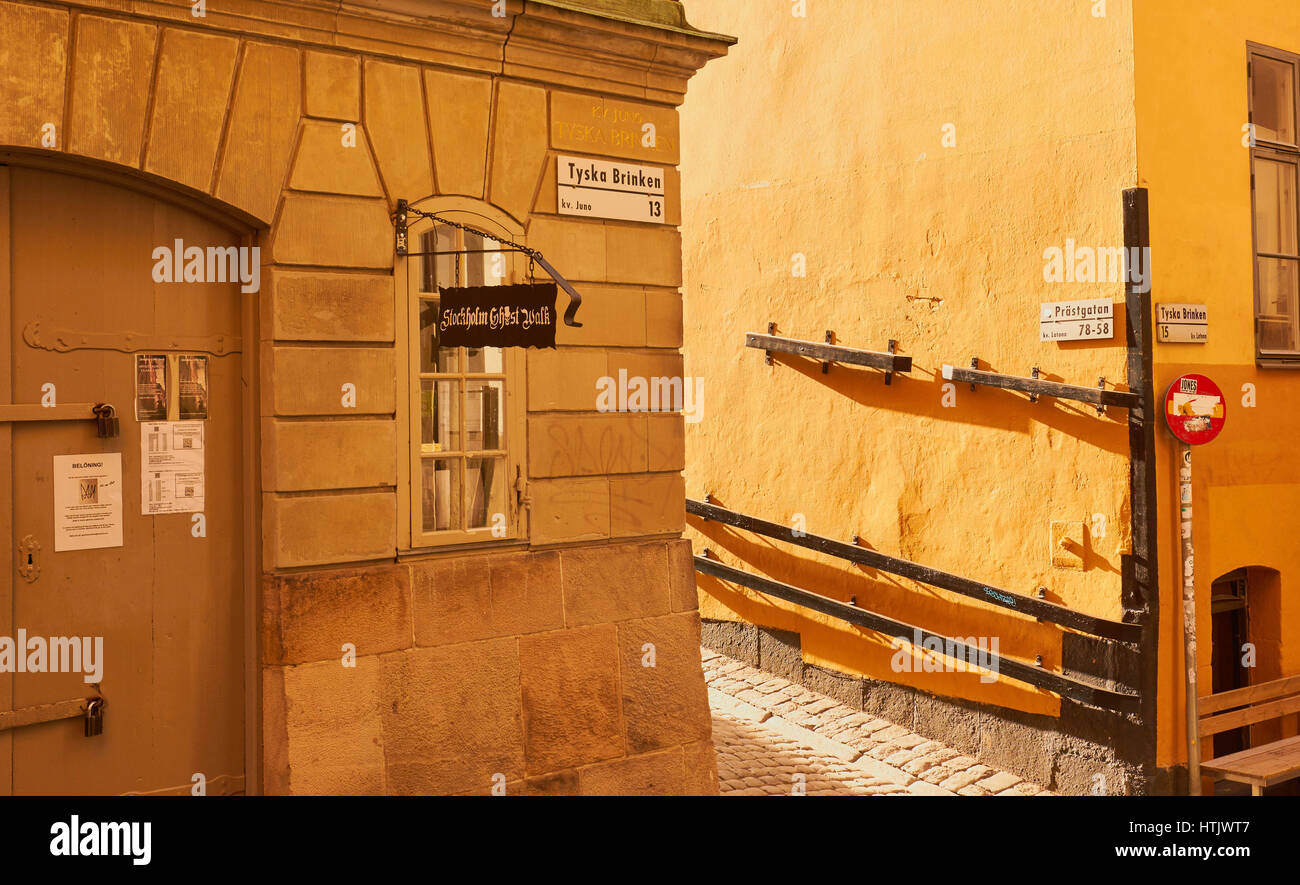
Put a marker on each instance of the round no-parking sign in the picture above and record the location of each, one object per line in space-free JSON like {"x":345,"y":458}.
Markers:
{"x":1195,"y":409}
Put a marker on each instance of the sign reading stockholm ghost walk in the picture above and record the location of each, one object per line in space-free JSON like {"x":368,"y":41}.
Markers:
{"x":600,"y":189}
{"x":497,"y":316}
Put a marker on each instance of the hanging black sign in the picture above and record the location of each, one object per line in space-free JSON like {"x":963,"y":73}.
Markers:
{"x":497,"y":316}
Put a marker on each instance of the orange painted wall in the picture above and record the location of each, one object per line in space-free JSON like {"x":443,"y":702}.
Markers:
{"x":1192,"y":103}
{"x":824,"y":136}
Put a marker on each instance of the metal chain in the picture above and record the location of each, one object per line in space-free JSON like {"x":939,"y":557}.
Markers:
{"x":531,"y":253}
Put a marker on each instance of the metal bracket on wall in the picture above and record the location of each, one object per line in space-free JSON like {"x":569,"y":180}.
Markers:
{"x":826,"y":353}
{"x":1098,"y":396}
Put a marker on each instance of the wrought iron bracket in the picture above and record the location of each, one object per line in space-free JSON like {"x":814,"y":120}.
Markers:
{"x":401,"y":247}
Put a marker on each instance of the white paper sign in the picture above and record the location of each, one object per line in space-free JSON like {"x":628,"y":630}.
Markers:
{"x":598,"y":189}
{"x":1077,"y":320}
{"x":87,"y":501}
{"x":171,"y":467}
{"x":1182,"y":323}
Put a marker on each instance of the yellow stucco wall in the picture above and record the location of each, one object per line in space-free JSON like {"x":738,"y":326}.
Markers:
{"x":824,"y":136}
{"x":1192,"y":101}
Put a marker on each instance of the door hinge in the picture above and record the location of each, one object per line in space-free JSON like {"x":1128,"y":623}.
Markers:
{"x":522,"y":500}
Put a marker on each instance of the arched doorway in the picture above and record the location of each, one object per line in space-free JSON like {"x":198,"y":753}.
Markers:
{"x":1245,"y":644}
{"x":155,"y":602}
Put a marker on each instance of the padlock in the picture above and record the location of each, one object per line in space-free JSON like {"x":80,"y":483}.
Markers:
{"x":95,"y":717}
{"x":106,"y":416}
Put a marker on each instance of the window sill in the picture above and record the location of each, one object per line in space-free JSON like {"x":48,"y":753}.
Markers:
{"x":504,"y":545}
{"x":1277,"y":362}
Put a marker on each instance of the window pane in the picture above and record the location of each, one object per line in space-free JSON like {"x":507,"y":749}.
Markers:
{"x":1275,"y":206}
{"x":1279,"y":296}
{"x":473,"y":260}
{"x":484,"y":415}
{"x":494,"y":265}
{"x":440,"y":416}
{"x":447,"y":357}
{"x":485,"y":490}
{"x":437,"y":269}
{"x":484,"y":361}
{"x":1273,"y":87}
{"x":441,"y":495}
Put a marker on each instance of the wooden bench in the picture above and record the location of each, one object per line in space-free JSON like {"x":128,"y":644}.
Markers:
{"x":1262,"y":766}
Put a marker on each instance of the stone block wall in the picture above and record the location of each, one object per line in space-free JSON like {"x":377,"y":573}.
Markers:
{"x":524,"y":673}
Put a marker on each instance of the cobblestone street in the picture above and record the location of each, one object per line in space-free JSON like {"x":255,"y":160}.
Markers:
{"x":774,"y":737}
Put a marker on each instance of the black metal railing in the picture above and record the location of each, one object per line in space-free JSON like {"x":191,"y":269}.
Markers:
{"x":1027,"y":605}
{"x":1031,"y":674}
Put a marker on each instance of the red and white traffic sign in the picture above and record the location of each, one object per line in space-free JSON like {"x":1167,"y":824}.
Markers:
{"x":1195,"y":409}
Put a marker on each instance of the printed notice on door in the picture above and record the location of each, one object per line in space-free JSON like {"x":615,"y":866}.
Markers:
{"x":171,"y":467}
{"x":87,"y":501}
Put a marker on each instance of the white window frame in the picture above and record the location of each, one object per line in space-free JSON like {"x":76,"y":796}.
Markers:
{"x":408,"y":279}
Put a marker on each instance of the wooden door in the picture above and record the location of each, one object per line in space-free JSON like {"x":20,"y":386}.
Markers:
{"x":81,"y":302}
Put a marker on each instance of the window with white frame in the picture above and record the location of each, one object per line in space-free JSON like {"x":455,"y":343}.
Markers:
{"x":1275,"y":161}
{"x":467,"y":404}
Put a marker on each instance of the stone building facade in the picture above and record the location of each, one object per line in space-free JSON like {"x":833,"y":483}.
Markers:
{"x":377,"y":659}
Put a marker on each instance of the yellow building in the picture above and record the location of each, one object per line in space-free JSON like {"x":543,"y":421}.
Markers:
{"x":979,"y":183}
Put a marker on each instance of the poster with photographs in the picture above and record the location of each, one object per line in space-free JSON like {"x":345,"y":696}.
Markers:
{"x":150,"y":386}
{"x":192,"y":380}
